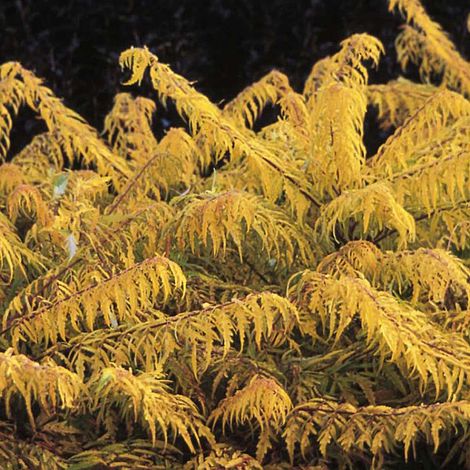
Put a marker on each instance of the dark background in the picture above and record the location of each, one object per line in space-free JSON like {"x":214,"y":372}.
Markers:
{"x":222,"y":44}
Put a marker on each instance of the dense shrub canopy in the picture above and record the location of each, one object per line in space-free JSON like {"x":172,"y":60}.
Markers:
{"x":234,"y":295}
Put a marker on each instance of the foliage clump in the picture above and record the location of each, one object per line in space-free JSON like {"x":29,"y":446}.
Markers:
{"x":226,"y":297}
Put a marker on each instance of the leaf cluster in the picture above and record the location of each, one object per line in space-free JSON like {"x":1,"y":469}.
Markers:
{"x":228,"y":297}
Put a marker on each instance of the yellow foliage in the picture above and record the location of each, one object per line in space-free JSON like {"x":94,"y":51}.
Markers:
{"x":217,"y":135}
{"x":338,"y":152}
{"x":424,"y":42}
{"x":110,"y":300}
{"x":261,"y":399}
{"x":76,"y":138}
{"x":432,"y":275}
{"x":14,"y":255}
{"x":378,"y":429}
{"x":41,"y":156}
{"x":231,"y":297}
{"x":346,"y":66}
{"x":145,"y":398}
{"x":251,"y":321}
{"x":11,"y":96}
{"x":128,"y":127}
{"x":28,"y":199}
{"x":49,"y":385}
{"x":215,"y":219}
{"x":366,"y":210}
{"x":398,"y":99}
{"x":398,"y":332}
{"x":11,"y":176}
{"x":356,"y":258}
{"x":247,"y":106}
{"x":425,"y":128}
{"x":154,"y":178}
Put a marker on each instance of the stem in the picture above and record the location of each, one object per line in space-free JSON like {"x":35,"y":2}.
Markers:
{"x":132,"y":182}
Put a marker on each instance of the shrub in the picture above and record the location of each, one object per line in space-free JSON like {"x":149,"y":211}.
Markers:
{"x":232,"y":298}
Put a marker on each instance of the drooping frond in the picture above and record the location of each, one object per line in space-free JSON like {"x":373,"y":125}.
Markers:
{"x":347,"y":431}
{"x":109,"y":300}
{"x":296,"y":123}
{"x":43,"y":288}
{"x":180,"y":151}
{"x":11,"y":97}
{"x":145,"y":222}
{"x":155,"y":177}
{"x":128,"y":127}
{"x":450,"y":224}
{"x":76,"y":138}
{"x":354,"y":258}
{"x":190,"y":104}
{"x":398,"y":99}
{"x":41,"y":155}
{"x":214,"y":220}
{"x":14,"y":255}
{"x":423,"y":130}
{"x":48,"y":385}
{"x":193,"y":105}
{"x":425,"y":275}
{"x":247,"y":106}
{"x":145,"y":398}
{"x":217,"y":135}
{"x":446,"y":226}
{"x":11,"y":176}
{"x":433,"y":274}
{"x":256,"y":319}
{"x":425,"y":43}
{"x":62,"y":207}
{"x":262,"y":400}
{"x":442,"y":179}
{"x":346,"y":66}
{"x":337,"y":100}
{"x":429,"y":173}
{"x":398,"y":332}
{"x":28,"y":200}
{"x":338,"y":152}
{"x":366,"y":210}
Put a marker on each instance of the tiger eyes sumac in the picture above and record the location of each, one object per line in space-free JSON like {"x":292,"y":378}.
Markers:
{"x":306,"y":304}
